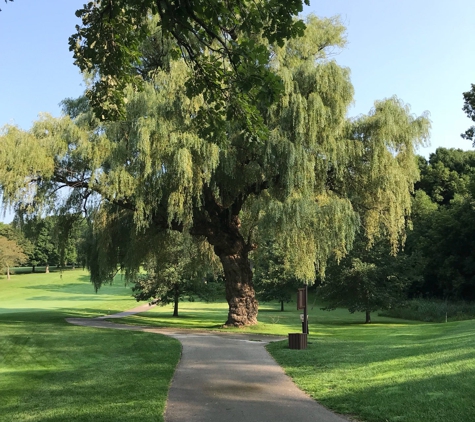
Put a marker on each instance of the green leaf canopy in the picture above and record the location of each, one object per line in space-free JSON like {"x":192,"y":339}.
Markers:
{"x":313,"y":179}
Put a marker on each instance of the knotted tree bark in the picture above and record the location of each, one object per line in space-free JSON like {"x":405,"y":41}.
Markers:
{"x":240,"y":295}
{"x":221,"y":226}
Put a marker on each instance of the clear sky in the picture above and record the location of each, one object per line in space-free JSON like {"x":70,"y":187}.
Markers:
{"x":422,"y":51}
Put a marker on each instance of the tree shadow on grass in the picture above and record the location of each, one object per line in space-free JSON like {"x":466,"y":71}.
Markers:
{"x":62,"y":373}
{"x":186,"y":319}
{"x":78,"y":298}
{"x":447,"y":397}
{"x":79,"y":283}
{"x":33,"y":316}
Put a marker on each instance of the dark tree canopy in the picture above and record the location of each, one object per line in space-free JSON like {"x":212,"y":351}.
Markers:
{"x":368,"y":279}
{"x":469,"y":109}
{"x":223,"y":42}
{"x":176,"y":266}
{"x":443,"y":226}
{"x":273,"y":280}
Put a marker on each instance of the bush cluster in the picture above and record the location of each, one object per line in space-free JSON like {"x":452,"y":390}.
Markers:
{"x":432,"y":310}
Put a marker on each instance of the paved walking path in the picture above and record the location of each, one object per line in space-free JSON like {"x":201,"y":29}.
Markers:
{"x":226,"y":377}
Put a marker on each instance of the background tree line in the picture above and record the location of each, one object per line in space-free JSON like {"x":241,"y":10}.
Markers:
{"x":44,"y":241}
{"x":438,"y":259}
{"x":437,"y":262}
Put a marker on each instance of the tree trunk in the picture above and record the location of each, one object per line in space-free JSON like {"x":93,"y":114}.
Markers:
{"x":281,"y":306}
{"x":368,"y":317}
{"x":176,"y":298}
{"x":33,"y":268}
{"x":8,"y":272}
{"x":221,"y":227}
{"x":239,"y":290}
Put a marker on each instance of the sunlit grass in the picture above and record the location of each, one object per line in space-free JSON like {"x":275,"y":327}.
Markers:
{"x":407,"y":372}
{"x":69,"y":290}
{"x":53,"y":371}
{"x":392,"y":370}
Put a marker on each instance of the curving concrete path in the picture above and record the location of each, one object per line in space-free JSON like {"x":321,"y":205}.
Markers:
{"x":226,"y":377}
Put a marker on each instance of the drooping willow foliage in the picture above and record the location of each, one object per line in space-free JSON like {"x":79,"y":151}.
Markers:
{"x":309,"y":182}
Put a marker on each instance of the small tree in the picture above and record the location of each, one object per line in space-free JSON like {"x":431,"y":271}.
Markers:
{"x":367,"y":280}
{"x":11,"y":254}
{"x":13,"y":233}
{"x":175,"y":268}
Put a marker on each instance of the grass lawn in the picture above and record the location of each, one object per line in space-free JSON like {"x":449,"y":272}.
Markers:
{"x":53,"y":371}
{"x":391,"y":370}
{"x":211,"y":316}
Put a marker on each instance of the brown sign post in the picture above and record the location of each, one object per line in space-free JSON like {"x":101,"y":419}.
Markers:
{"x":302,"y":304}
{"x":301,"y":299}
{"x":299,"y":340}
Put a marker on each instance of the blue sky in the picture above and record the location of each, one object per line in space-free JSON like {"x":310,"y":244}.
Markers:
{"x":422,"y":51}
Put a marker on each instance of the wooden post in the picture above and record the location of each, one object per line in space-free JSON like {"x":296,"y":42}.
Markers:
{"x":305,"y":315}
{"x":297,"y":340}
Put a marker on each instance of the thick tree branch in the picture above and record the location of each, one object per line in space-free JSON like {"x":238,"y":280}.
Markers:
{"x":59,"y":177}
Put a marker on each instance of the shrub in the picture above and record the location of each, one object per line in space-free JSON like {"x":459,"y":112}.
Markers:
{"x":432,"y":310}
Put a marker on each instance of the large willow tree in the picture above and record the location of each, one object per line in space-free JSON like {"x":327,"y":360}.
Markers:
{"x":310,"y":180}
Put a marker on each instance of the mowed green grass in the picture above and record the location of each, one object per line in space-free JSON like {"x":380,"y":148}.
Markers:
{"x":212,"y":316}
{"x":391,"y":370}
{"x":54,"y":371}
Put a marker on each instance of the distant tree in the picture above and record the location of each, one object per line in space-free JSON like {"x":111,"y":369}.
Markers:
{"x":447,"y":173}
{"x":175,"y":268}
{"x":40,"y":232}
{"x":273,"y":279}
{"x":446,"y":240}
{"x":54,"y":239}
{"x":367,"y":280}
{"x":443,"y":228}
{"x":11,"y":254}
{"x":469,"y":109}
{"x":12,"y":233}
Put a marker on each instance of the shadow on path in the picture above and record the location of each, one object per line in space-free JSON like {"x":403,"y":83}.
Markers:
{"x":226,"y":377}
